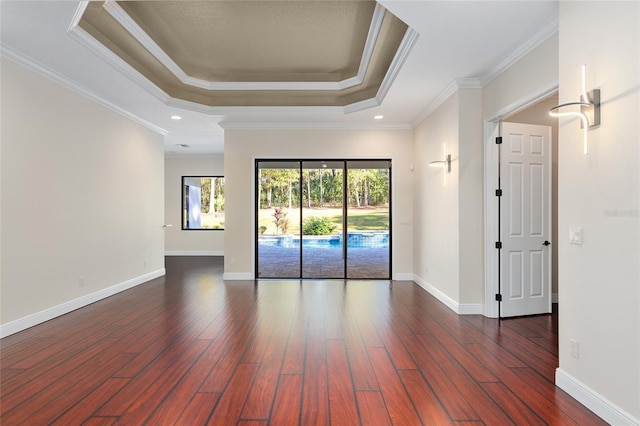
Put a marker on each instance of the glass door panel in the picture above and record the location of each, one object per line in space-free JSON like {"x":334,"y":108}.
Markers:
{"x":278,"y":219}
{"x":322,"y":219}
{"x":368,"y":219}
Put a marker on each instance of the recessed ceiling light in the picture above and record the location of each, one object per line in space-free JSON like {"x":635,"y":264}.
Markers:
{"x":378,"y":117}
{"x":183,"y":145}
{"x":176,"y":117}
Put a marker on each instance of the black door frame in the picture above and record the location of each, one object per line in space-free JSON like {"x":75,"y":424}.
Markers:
{"x":345,"y":195}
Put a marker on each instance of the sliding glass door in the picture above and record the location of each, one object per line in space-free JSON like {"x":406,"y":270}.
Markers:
{"x":368,"y":219}
{"x":323,"y":219}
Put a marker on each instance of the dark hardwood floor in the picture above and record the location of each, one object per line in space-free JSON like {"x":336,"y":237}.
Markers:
{"x":191,"y":349}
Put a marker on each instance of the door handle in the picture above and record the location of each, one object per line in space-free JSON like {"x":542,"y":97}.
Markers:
{"x":546,"y":243}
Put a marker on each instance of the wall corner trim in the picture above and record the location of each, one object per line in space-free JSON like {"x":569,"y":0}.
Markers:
{"x":23,"y":323}
{"x":595,"y":402}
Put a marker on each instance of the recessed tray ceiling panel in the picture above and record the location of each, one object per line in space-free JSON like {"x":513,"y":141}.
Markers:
{"x":244,"y":53}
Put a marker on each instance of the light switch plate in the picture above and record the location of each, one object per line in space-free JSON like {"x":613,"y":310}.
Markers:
{"x":575,"y":235}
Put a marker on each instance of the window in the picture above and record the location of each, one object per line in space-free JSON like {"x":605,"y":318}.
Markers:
{"x":203,"y":202}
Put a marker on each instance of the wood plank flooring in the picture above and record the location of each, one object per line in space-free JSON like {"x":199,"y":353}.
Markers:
{"x":191,"y":349}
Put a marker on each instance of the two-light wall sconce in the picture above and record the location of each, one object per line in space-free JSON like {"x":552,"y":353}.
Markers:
{"x":589,"y":113}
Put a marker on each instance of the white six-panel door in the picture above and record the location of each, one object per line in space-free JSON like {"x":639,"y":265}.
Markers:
{"x":525,"y":223}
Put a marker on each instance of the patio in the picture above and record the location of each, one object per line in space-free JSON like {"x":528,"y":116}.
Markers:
{"x":363,"y":263}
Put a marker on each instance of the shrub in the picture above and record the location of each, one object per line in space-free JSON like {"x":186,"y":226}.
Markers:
{"x":317,"y":226}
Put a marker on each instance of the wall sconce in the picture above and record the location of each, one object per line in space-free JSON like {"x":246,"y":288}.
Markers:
{"x":446,"y":163}
{"x":589,"y":113}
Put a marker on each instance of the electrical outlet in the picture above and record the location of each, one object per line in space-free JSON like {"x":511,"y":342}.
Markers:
{"x":575,"y":348}
{"x":232,"y":261}
{"x":144,"y":263}
{"x":81,"y":282}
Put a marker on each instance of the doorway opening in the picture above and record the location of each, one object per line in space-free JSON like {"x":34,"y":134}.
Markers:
{"x":323,"y":218}
{"x":502,"y":266}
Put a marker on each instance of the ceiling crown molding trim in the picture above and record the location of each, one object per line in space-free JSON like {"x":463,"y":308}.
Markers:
{"x":370,"y":44}
{"x":439,"y":100}
{"x":536,"y":40}
{"x":313,"y":126}
{"x":48,"y":73}
{"x":406,"y":45}
{"x":468,"y":83}
{"x":121,"y":16}
{"x":546,"y":31}
{"x":115,"y":61}
{"x":77,"y":16}
{"x":223,"y":110}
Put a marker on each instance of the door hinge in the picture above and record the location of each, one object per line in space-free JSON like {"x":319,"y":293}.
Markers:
{"x":498,"y":140}
{"x":498,"y":244}
{"x":499,"y":297}
{"x":498,"y":192}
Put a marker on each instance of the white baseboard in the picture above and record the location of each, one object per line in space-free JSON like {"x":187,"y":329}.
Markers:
{"x":403,"y":276}
{"x":460,"y":309}
{"x":23,"y":323}
{"x":237,"y":276}
{"x":595,"y":402}
{"x":194,"y":253}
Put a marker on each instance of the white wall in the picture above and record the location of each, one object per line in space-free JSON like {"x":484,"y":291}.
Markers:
{"x":243,"y":146}
{"x":177,"y":241}
{"x":600,"y":192}
{"x":82,"y":200}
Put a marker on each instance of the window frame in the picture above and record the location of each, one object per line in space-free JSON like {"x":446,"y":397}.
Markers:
{"x":184,"y":196}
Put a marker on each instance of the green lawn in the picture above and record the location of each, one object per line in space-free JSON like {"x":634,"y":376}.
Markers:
{"x":360,"y":219}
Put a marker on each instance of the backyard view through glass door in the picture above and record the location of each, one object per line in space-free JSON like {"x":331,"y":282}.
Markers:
{"x":323,"y":219}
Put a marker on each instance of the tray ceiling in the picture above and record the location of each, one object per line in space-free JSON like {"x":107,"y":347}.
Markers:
{"x":253,"y":53}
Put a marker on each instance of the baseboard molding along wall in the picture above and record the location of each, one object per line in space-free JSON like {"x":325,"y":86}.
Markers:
{"x":237,"y":276}
{"x":458,"y":308}
{"x":23,"y":323}
{"x":193,"y":253}
{"x":595,"y":402}
{"x":403,"y":276}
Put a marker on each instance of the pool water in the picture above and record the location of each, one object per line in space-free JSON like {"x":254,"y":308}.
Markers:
{"x":354,"y":240}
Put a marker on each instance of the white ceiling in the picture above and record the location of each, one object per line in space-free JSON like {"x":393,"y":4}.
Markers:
{"x":467,"y":41}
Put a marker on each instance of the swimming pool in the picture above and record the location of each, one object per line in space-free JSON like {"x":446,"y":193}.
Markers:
{"x":379,"y":239}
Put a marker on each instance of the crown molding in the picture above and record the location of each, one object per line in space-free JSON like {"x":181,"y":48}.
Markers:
{"x":313,"y":126}
{"x":439,"y":100}
{"x":137,"y":32}
{"x":407,"y":43}
{"x":48,"y":73}
{"x":370,"y":44}
{"x":546,"y":31}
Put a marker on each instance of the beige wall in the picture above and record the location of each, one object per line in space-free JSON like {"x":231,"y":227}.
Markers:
{"x":82,"y":198}
{"x":471,"y":193}
{"x":436,"y":264}
{"x":448,"y":216}
{"x":243,"y":146}
{"x":538,"y":69}
{"x":177,"y":241}
{"x":600,"y":193}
